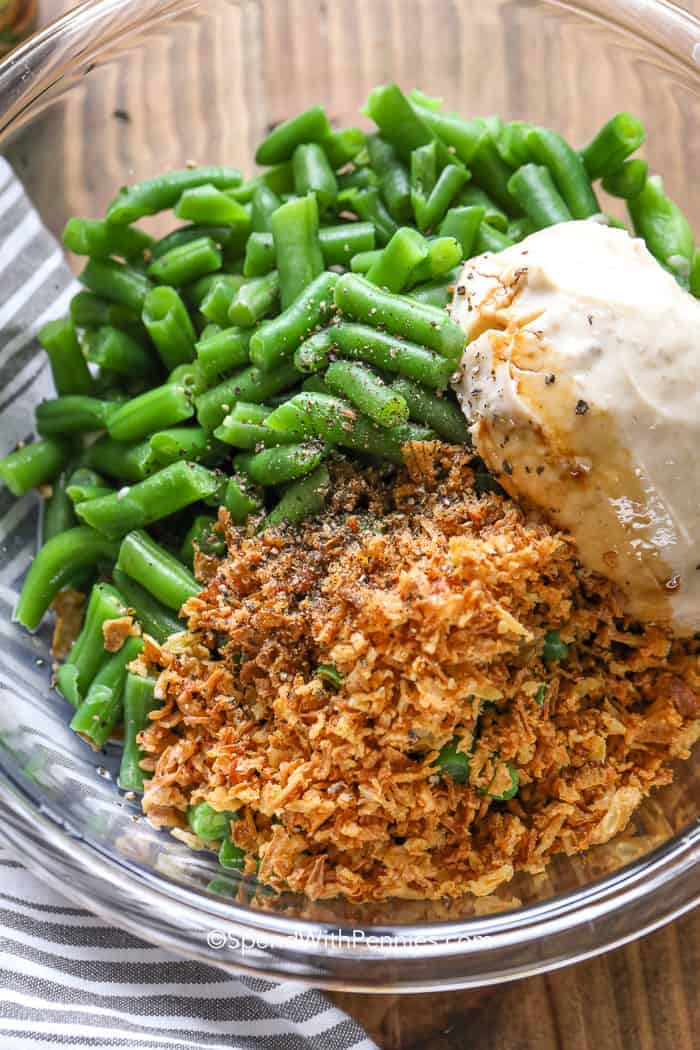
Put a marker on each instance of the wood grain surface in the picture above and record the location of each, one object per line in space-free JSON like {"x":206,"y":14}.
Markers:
{"x":642,"y":997}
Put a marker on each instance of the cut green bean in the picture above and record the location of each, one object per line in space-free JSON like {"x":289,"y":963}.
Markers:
{"x":393,"y":354}
{"x":259,"y":255}
{"x":184,"y":264}
{"x":424,"y":173}
{"x":534,"y":189}
{"x":401,"y":124}
{"x":274,"y":342}
{"x":359,"y":299}
{"x":450,"y":181}
{"x":163,"y":576}
{"x":664,"y":227}
{"x":622,"y":135}
{"x":339,"y":244}
{"x":73,"y":414}
{"x":249,"y":435}
{"x":368,"y":204}
{"x":118,"y":352}
{"x":314,"y":174}
{"x":464,"y":136}
{"x":223,"y":236}
{"x":164,"y":191}
{"x":629,"y":180}
{"x":169,"y":326}
{"x":33,"y":464}
{"x":68,"y":368}
{"x":155,"y":619}
{"x":90,"y":311}
{"x":364,"y":389}
{"x":58,"y":514}
{"x":394,"y":184}
{"x":87,"y":652}
{"x":265,"y":201}
{"x":139,"y":702}
{"x":403,"y":254}
{"x":364,"y":261}
{"x":231,"y":856}
{"x":436,"y":293}
{"x":553,"y":648}
{"x":453,"y":763}
{"x":442,"y":414}
{"x":222,"y":352}
{"x":463,"y":223}
{"x":303,"y":499}
{"x":163,"y":493}
{"x":210,"y":206}
{"x":101,"y":239}
{"x":567,"y":170}
{"x":342,"y":146}
{"x":444,"y":253}
{"x":274,"y":466}
{"x":56,"y":563}
{"x":279,"y":179}
{"x":210,"y":824}
{"x":314,"y":353}
{"x":491,"y":173}
{"x":86,"y":484}
{"x":117,"y":282}
{"x":190,"y":443}
{"x":161,"y":407}
{"x":474,"y":197}
{"x":131,"y":461}
{"x":297,"y":246}
{"x":489,"y":239}
{"x":310,"y":126}
{"x":512,"y":143}
{"x":520,"y":228}
{"x":241,"y":499}
{"x":198,"y":292}
{"x":249,"y":384}
{"x":207,"y":541}
{"x":216,"y":304}
{"x":255,"y":299}
{"x":102,"y":707}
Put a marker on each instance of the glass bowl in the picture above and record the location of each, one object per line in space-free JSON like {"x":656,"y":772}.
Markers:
{"x":121,"y":89}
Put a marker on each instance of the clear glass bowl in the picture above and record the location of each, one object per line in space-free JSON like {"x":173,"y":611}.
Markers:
{"x":202,"y":81}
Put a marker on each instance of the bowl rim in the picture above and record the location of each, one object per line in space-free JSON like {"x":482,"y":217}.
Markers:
{"x":184,"y":914}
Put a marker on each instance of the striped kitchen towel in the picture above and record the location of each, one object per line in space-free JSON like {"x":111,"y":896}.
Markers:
{"x":67,"y":978}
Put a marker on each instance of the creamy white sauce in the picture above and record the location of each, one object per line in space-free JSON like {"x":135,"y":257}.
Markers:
{"x":582,"y":386}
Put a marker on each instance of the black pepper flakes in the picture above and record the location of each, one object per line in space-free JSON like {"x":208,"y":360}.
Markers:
{"x":581,"y":407}
{"x":507,"y":468}
{"x":549,"y":379}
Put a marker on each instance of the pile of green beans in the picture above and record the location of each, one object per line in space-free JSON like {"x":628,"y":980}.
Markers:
{"x":296,"y":316}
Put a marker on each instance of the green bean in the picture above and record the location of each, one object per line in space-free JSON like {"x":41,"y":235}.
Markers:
{"x":249,"y":384}
{"x":450,"y":181}
{"x":89,"y":311}
{"x":68,"y":368}
{"x":364,"y":261}
{"x":424,"y":173}
{"x":695,"y":275}
{"x":463,"y":223}
{"x":342,"y":146}
{"x":202,"y":534}
{"x":629,"y":179}
{"x":533,"y":188}
{"x":58,"y":514}
{"x":222,"y":352}
{"x":314,"y":385}
{"x":207,"y":205}
{"x":436,"y":293}
{"x":223,"y":236}
{"x":340,"y":243}
{"x":303,"y":499}
{"x":474,"y":197}
{"x":54,"y":566}
{"x":386,"y":351}
{"x":336,"y":421}
{"x":86,"y":484}
{"x":444,"y":253}
{"x":400,"y":123}
{"x":491,"y":173}
{"x":553,"y":648}
{"x":512,"y":143}
{"x":277,"y":340}
{"x":314,"y":353}
{"x":259,"y":255}
{"x":117,"y":282}
{"x":139,"y":701}
{"x":453,"y":763}
{"x":155,"y":619}
{"x":310,"y":126}
{"x":489,"y":239}
{"x":401,"y":316}
{"x":127,"y":462}
{"x":297,"y":246}
{"x":249,"y":412}
{"x":463,"y":136}
{"x":161,"y":407}
{"x":102,"y":707}
{"x":184,"y":264}
{"x":33,"y":465}
{"x":622,"y":135}
{"x":278,"y":179}
{"x":198,"y":291}
{"x":210,"y":824}
{"x":161,"y":494}
{"x":394,"y":184}
{"x":118,"y":352}
{"x":191,"y":443}
{"x":169,"y":326}
{"x":231,"y":856}
{"x":520,"y":228}
{"x":162,"y":575}
{"x":274,"y":466}
{"x":216,"y":304}
{"x":241,"y":500}
{"x":313,"y":174}
{"x":265,"y":201}
{"x":510,"y":792}
{"x":441,"y":414}
{"x":359,"y":178}
{"x":101,"y":239}
{"x":368,"y":204}
{"x":249,"y":435}
{"x":73,"y":414}
{"x":87,"y":652}
{"x":663,"y":226}
{"x":567,"y":170}
{"x":164,"y":191}
{"x":404,"y":252}
{"x":364,"y":389}
{"x":255,"y":299}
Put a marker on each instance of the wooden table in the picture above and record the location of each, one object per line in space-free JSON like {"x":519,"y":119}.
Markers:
{"x":636,"y":998}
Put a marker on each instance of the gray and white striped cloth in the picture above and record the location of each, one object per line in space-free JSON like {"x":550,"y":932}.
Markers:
{"x":67,"y":978}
